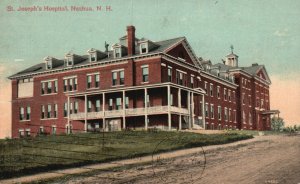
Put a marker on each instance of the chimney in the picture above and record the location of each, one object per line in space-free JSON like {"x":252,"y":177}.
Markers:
{"x":131,"y":40}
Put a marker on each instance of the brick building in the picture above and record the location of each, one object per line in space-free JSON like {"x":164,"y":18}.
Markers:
{"x":139,"y":84}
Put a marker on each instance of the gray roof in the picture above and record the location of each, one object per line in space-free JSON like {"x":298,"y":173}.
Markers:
{"x":161,"y":46}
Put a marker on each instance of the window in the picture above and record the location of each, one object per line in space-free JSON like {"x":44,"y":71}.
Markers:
{"x":229,"y":115}
{"x":28,"y":112}
{"x":22,"y":113}
{"x":110,"y":106}
{"x":169,"y":74}
{"x":177,"y":77}
{"x":244,"y":117}
{"x":205,"y":86}
{"x":212,"y":114}
{"x":233,"y":96}
{"x":225,"y":94}
{"x":250,"y":118}
{"x":75,"y":107}
{"x":97,"y":80}
{"x":65,"y":109}
{"x":234,"y":116}
{"x":21,"y":133}
{"x":219,"y":113}
{"x":180,"y":78}
{"x":55,"y":111}
{"x":65,"y":85}
{"x":69,"y":61}
{"x":49,"y":87}
{"x":119,"y":104}
{"x":43,"y":88}
{"x":225,"y":114}
{"x":127,"y":102}
{"x":93,"y":56}
{"x":27,"y":132}
{"x":122,"y":77}
{"x":218,"y":92}
{"x":114,"y":78}
{"x":43,"y":111}
{"x":53,"y":130}
{"x":229,"y":95}
{"x":89,"y":81}
{"x":55,"y":86}
{"x":243,"y":98}
{"x":118,"y":52}
{"x":49,"y":64}
{"x":75,"y":83}
{"x":70,"y":84}
{"x":49,"y":111}
{"x":211,"y":90}
{"x":144,"y":48}
{"x":41,"y":130}
{"x":206,"y":110}
{"x":262,"y":103}
{"x":97,"y":105}
{"x":192,"y":82}
{"x":145,"y":71}
{"x":71,"y":108}
{"x":89,"y":106}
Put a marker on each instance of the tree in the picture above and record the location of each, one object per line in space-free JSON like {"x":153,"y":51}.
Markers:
{"x":277,"y":123}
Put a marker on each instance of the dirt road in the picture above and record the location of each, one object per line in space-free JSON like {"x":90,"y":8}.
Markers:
{"x":267,"y":160}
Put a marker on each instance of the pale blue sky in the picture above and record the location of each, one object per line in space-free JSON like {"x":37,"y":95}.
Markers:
{"x":263,"y":31}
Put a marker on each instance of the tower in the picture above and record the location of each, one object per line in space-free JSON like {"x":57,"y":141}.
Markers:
{"x":232,"y":59}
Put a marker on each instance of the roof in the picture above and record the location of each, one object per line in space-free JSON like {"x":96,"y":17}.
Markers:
{"x":160,"y":46}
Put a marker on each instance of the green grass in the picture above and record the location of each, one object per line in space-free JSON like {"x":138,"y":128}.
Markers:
{"x":31,"y":155}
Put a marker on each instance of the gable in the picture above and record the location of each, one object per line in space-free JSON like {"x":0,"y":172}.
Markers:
{"x":180,"y":52}
{"x":261,"y":74}
{"x":183,"y":50}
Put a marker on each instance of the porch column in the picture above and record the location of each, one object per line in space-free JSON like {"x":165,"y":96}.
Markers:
{"x":189,"y":108}
{"x":179,"y":105}
{"x":85,"y":113}
{"x":68,"y":113}
{"x":124,"y":111}
{"x":146,"y":113}
{"x":169,"y":107}
{"x":193,"y":109}
{"x":103,"y":111}
{"x":203,"y":112}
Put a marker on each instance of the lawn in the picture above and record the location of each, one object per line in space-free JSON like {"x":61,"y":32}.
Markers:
{"x":31,"y":155}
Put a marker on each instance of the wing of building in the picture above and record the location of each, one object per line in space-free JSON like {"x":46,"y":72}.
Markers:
{"x":139,"y":84}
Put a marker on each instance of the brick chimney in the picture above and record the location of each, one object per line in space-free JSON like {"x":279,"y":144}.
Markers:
{"x":131,"y":40}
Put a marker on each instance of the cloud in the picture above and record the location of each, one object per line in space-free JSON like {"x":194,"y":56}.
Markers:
{"x":281,"y":33}
{"x":285,"y":96}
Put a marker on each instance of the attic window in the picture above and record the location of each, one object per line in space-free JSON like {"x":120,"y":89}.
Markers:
{"x":207,"y":67}
{"x":144,"y":48}
{"x":93,"y":57}
{"x":69,"y":61}
{"x":118,"y":52}
{"x":49,"y":65}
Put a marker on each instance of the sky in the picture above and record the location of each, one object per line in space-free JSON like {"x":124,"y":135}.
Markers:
{"x":262,"y":31}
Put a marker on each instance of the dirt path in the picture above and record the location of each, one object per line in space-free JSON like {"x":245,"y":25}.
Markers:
{"x":264,"y":159}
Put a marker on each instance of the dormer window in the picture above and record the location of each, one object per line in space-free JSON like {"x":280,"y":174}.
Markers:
{"x":118,"y":52}
{"x":48,"y":61}
{"x":207,"y":67}
{"x":144,"y":48}
{"x":49,"y":64}
{"x":69,"y":61}
{"x":93,"y":57}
